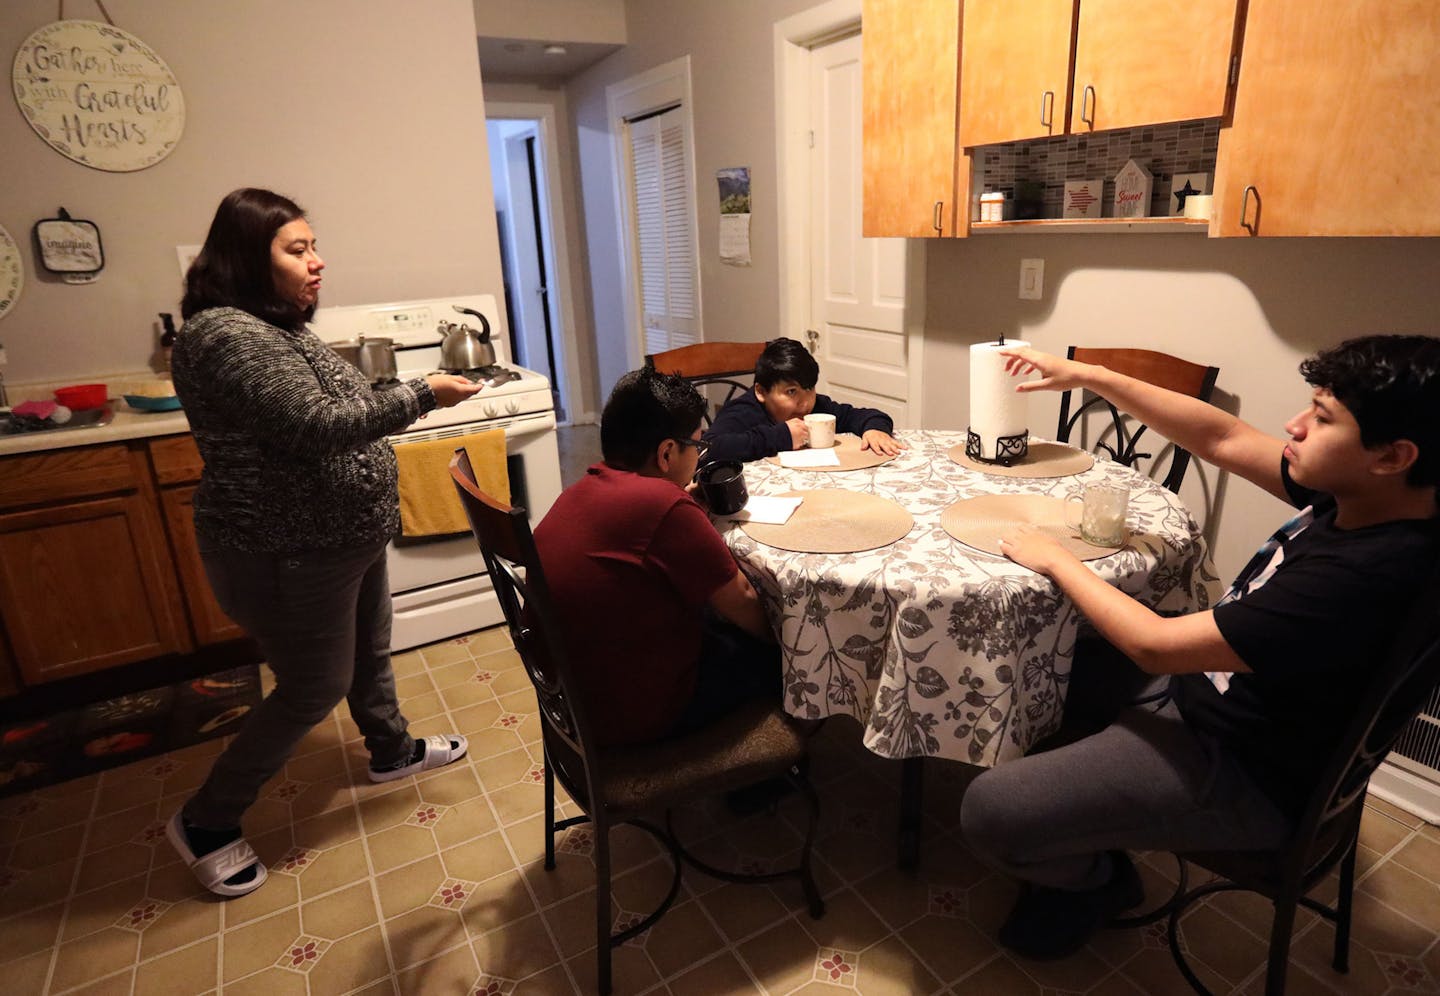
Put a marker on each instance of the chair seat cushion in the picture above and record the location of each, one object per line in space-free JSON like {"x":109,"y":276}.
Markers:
{"x":754,"y":742}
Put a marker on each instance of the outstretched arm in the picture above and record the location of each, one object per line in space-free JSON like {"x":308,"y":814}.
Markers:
{"x":1213,"y":435}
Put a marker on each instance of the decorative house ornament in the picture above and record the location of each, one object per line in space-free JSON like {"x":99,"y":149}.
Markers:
{"x":70,"y":247}
{"x":1084,"y":198}
{"x":12,"y":272}
{"x":1184,"y":185}
{"x":98,"y":95}
{"x":1132,"y":191}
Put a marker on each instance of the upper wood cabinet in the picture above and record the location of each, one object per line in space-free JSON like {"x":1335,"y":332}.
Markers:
{"x":1111,"y":63}
{"x":1015,"y":72}
{"x":1334,"y":129}
{"x":911,"y":73}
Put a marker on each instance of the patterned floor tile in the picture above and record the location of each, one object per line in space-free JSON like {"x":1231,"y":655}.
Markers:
{"x":439,"y":881}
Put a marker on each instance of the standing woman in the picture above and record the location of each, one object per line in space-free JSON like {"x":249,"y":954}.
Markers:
{"x":296,"y":504}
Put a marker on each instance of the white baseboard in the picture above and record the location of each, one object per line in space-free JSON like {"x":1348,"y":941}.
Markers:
{"x":1410,"y":792}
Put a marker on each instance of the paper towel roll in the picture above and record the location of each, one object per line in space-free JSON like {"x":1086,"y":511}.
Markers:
{"x":995,"y":409}
{"x":1199,"y":206}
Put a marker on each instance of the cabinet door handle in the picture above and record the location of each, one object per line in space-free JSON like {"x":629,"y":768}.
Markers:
{"x":1047,"y":108}
{"x":939,"y":214}
{"x":1245,"y":209}
{"x":1086,"y":97}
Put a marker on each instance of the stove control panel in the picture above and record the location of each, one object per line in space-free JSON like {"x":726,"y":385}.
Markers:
{"x":391,"y":321}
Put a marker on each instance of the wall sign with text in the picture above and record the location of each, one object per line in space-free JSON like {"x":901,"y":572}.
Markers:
{"x":99,"y":95}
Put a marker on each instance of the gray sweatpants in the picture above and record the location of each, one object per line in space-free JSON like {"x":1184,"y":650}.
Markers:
{"x":1145,"y":782}
{"x":322,"y":621}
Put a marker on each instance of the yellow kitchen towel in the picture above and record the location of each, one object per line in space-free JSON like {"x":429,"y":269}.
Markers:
{"x":429,"y":505}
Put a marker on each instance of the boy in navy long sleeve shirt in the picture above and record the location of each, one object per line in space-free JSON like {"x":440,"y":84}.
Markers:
{"x":771,"y":418}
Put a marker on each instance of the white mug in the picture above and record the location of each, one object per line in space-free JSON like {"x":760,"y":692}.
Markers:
{"x":1101,"y":519}
{"x":822,"y":430}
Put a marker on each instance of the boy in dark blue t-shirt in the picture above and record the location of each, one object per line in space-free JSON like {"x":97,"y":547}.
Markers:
{"x":771,"y":417}
{"x":1228,"y":758}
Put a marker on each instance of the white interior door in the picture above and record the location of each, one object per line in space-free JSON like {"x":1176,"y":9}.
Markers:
{"x":857,"y":285}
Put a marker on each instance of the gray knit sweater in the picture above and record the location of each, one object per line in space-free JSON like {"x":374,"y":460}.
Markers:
{"x":292,"y":436}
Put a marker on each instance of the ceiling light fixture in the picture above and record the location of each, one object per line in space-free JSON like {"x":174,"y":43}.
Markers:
{"x":555,"y":50}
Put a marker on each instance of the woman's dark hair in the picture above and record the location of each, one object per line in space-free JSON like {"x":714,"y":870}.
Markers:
{"x":644,"y":409}
{"x":1391,"y":384}
{"x":786,"y":359}
{"x":233,"y":269}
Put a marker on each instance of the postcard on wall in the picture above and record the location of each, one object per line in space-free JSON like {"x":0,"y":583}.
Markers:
{"x":734,"y":215}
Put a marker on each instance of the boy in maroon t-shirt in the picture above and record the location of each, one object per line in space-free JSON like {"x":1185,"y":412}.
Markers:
{"x":666,"y":632}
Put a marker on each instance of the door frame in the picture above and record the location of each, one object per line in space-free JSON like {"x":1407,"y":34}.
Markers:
{"x":793,"y":38}
{"x":562,"y":284}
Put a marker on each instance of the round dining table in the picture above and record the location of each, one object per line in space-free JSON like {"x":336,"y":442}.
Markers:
{"x":938,"y":648}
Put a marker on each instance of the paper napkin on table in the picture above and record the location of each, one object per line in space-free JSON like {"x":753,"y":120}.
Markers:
{"x":810,"y":458}
{"x":762,"y":509}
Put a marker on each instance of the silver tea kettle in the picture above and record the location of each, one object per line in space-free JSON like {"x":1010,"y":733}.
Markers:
{"x":464,"y":348}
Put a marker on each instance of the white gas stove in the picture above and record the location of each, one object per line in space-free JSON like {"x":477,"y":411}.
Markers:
{"x":438,"y":584}
{"x":414,"y":328}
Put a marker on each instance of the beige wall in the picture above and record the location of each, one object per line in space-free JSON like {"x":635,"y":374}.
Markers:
{"x":731,"y":49}
{"x":1254,"y":308}
{"x":368,"y":112}
{"x":598,"y":21}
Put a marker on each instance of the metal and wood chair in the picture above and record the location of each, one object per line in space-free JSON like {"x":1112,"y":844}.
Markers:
{"x":728,"y":364}
{"x":615,"y":785}
{"x":1327,"y":833}
{"x":1160,"y":369}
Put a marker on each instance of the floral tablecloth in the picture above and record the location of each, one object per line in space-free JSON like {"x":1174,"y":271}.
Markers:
{"x":939,"y":649}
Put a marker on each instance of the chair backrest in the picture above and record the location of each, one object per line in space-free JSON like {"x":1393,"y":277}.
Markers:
{"x":1160,"y":369}
{"x":1402,"y":681}
{"x":513,"y":562}
{"x":729,"y":364}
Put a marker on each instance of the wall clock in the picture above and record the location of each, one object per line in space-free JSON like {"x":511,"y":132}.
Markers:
{"x":98,"y":95}
{"x":12,"y":272}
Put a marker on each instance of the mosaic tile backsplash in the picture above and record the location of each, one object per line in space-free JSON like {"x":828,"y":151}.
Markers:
{"x":1178,"y":147}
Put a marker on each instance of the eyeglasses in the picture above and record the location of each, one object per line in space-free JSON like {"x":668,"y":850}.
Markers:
{"x":700,"y":445}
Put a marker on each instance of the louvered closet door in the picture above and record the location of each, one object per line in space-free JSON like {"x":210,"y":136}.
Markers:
{"x":665,"y":223}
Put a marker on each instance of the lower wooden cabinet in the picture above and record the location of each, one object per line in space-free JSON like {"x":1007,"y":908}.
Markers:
{"x":98,"y":560}
{"x":9,"y":680}
{"x":209,"y":621}
{"x":87,"y":585}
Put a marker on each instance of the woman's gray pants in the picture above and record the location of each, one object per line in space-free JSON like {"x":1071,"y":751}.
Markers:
{"x":1146,"y":782}
{"x":322,"y":620}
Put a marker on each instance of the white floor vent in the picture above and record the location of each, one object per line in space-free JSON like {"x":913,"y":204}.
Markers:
{"x":1410,"y":776}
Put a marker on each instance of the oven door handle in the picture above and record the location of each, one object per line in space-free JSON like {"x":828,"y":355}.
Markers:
{"x":515,"y":427}
{"x":524,"y":426}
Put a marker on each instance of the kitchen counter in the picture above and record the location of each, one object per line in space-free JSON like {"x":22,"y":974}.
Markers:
{"x":127,"y":424}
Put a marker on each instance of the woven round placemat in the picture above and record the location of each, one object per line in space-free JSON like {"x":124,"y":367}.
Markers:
{"x":1042,"y":460}
{"x":851,"y":456}
{"x":834,"y":521}
{"x":980,"y":522}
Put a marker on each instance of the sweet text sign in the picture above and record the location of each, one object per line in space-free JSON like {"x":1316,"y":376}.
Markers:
{"x":98,"y":95}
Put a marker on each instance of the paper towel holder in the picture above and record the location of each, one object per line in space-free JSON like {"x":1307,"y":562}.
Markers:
{"x":1008,"y":449}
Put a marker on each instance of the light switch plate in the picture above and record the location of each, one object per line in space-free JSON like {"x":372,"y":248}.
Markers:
{"x":185,"y":255}
{"x":1032,"y":279}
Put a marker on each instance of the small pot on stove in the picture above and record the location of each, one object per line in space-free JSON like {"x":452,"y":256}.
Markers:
{"x":377,"y":359}
{"x":464,"y":348}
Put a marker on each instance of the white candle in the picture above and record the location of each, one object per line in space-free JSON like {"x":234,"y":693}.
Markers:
{"x":995,"y":408}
